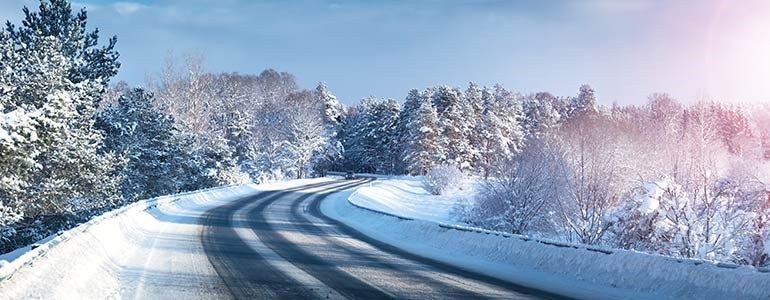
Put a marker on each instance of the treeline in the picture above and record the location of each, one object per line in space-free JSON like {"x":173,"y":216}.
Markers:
{"x":472,"y":129}
{"x":72,"y":146}
{"x":663,"y":177}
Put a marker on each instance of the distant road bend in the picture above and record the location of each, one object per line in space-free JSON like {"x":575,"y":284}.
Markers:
{"x":255,"y":244}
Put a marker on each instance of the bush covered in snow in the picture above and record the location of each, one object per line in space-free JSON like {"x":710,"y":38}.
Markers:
{"x":700,"y":191}
{"x":441,"y":179}
{"x":515,"y":198}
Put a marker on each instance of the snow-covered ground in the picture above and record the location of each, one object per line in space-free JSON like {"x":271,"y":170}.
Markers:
{"x":572,"y":271}
{"x":128,"y":247}
{"x":404,"y":196}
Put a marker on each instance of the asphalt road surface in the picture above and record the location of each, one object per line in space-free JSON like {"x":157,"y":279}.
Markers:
{"x":277,"y":244}
{"x":244,"y":243}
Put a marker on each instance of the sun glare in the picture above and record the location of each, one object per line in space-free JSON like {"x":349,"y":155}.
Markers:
{"x":739,"y":51}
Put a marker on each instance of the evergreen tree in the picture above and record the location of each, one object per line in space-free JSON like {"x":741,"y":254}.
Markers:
{"x":386,"y":116}
{"x":373,"y":137}
{"x":19,"y":134}
{"x":70,"y":175}
{"x":78,"y":47}
{"x":454,"y":125}
{"x":330,"y":155}
{"x":58,"y":74}
{"x":475,"y":109}
{"x":404,"y":135}
{"x":540,"y":114}
{"x":493,"y":143}
{"x":508,"y":108}
{"x":584,"y":103}
{"x":422,"y":151}
{"x":138,"y":129}
{"x":217,"y":162}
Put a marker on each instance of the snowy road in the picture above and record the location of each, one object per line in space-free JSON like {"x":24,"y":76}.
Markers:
{"x":258,"y":245}
{"x":278,"y":245}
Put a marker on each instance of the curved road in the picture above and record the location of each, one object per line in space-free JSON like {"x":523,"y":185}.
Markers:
{"x":243,"y":243}
{"x":277,"y":244}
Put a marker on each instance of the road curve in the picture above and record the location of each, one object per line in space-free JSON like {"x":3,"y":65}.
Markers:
{"x":278,"y":244}
{"x":241,"y":242}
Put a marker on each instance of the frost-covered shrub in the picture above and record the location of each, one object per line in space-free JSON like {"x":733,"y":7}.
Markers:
{"x":442,"y":179}
{"x":755,"y":249}
{"x":516,"y":197}
{"x":637,"y":223}
{"x":668,"y":218}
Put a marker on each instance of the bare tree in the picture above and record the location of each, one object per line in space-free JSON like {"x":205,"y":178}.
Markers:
{"x":595,"y":175}
{"x":516,"y":197}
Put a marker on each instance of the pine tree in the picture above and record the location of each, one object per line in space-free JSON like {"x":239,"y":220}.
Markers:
{"x":404,"y":135}
{"x":69,"y":168}
{"x":475,"y":109}
{"x":372,"y":144}
{"x":330,"y":155}
{"x":422,"y":150}
{"x":78,"y":46}
{"x":58,"y":73}
{"x":138,"y":129}
{"x":218,"y":163}
{"x":540,"y":114}
{"x":387,"y":116}
{"x":510,"y":112}
{"x":454,"y":125}
{"x":19,"y":131}
{"x":584,"y":103}
{"x":494,"y":143}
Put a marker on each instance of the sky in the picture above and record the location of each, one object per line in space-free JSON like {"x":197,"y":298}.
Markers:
{"x":625,"y":49}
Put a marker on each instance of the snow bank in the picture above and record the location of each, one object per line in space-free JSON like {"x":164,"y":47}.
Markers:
{"x":572,"y":270}
{"x":406,"y":197}
{"x":111,"y":244}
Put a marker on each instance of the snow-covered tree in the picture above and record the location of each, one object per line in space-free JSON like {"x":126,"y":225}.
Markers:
{"x":78,"y":46}
{"x":584,"y":103}
{"x":500,"y":133}
{"x":138,"y":129}
{"x":330,"y":155}
{"x":420,"y":141}
{"x":454,"y":126}
{"x":541,"y":114}
{"x":305,"y":130}
{"x":372,"y":141}
{"x":475,"y":108}
{"x":57,"y":73}
{"x":409,"y":110}
{"x":517,"y":198}
{"x":52,"y":76}
{"x":19,"y":136}
{"x":595,"y":175}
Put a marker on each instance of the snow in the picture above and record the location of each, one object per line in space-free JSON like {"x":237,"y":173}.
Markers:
{"x":112,"y":255}
{"x":13,"y":255}
{"x":17,"y":120}
{"x":650,"y":200}
{"x":405,"y":196}
{"x":572,"y":270}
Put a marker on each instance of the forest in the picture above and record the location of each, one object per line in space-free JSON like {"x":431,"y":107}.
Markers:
{"x":678,"y":178}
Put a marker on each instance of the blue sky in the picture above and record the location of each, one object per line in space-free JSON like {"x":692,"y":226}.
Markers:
{"x":625,"y":49}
